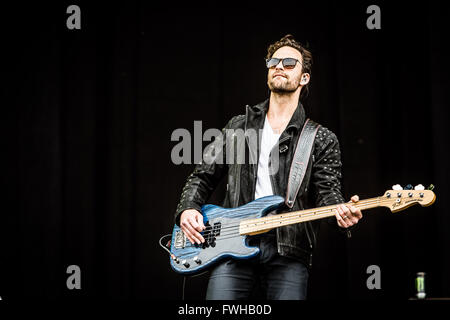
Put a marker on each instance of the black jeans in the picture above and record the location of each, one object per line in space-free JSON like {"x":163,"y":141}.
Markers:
{"x":276,"y":277}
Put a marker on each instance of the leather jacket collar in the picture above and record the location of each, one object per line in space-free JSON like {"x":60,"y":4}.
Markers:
{"x":255,"y":117}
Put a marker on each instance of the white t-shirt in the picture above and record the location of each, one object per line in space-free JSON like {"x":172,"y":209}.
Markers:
{"x":268,"y":141}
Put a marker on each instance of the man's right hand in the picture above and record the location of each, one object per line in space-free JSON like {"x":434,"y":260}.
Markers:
{"x":191,"y":222}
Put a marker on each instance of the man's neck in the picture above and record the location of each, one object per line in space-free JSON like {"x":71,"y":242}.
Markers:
{"x":282,"y":106}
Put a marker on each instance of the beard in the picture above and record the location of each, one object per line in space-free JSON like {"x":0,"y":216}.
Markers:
{"x":284,"y":86}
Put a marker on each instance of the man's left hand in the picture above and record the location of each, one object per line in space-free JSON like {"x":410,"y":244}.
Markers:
{"x":348,"y":215}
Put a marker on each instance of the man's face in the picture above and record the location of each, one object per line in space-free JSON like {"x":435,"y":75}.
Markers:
{"x":284,"y":80}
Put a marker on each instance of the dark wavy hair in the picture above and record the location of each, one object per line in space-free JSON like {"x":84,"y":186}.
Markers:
{"x":289,"y":41}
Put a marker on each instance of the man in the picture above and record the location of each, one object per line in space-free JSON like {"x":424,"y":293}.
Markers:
{"x":281,"y":269}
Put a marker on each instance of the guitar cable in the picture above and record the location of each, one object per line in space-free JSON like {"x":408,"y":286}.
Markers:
{"x":165,"y":247}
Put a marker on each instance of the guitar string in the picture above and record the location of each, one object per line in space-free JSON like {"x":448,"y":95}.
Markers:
{"x":277,"y":217}
{"x":273,"y":222}
{"x":235,"y":234}
{"x":271,"y":225}
{"x":230,"y":235}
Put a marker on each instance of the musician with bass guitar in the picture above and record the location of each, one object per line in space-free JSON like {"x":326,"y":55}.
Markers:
{"x":294,"y":158}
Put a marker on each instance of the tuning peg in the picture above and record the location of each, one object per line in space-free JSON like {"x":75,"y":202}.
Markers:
{"x":431,"y":187}
{"x":409,"y":187}
{"x":419,"y":187}
{"x":397,"y":187}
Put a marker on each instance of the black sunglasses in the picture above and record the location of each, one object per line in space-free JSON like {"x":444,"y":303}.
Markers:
{"x":288,"y":63}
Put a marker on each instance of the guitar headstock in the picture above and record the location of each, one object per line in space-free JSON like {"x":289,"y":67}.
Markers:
{"x":399,"y":199}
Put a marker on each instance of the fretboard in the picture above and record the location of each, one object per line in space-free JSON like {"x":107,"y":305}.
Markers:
{"x":259,"y":225}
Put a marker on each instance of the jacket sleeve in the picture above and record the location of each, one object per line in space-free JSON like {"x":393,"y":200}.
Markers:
{"x":206,"y":176}
{"x":327,"y":175}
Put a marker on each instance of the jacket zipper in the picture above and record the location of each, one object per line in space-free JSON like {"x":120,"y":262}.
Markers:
{"x":271,"y":181}
{"x":238,"y":185}
{"x":270,"y":160}
{"x":255,"y":170}
{"x":307,"y":233}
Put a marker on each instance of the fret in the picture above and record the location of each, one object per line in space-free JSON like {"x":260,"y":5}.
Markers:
{"x":255,"y":226}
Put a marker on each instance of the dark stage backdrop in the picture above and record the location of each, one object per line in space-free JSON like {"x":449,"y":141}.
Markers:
{"x":89,"y":115}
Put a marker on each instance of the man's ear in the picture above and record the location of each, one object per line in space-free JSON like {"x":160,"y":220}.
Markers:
{"x":304,"y":79}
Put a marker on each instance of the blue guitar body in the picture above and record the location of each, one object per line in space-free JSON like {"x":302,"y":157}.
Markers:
{"x":222,"y":238}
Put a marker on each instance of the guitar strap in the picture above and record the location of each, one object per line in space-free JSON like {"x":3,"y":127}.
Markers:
{"x":300,"y":160}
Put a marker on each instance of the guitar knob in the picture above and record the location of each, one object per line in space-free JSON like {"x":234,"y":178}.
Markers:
{"x":419,"y":187}
{"x":197,"y":260}
{"x":185,"y":263}
{"x":397,"y":187}
{"x":408,"y":187}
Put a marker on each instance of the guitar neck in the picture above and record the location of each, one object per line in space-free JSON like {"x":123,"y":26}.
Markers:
{"x":264,"y":224}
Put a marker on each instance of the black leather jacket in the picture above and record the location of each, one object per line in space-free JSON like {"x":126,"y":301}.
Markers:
{"x":321,"y":185}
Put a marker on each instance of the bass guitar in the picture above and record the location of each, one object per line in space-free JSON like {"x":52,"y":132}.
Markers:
{"x":227,"y":230}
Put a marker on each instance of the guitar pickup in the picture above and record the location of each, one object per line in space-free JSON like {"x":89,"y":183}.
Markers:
{"x":180,"y":240}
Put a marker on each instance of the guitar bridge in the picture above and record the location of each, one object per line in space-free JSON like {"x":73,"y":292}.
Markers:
{"x":180,"y":240}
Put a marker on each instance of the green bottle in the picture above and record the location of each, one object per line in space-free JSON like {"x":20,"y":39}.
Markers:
{"x":420,"y":285}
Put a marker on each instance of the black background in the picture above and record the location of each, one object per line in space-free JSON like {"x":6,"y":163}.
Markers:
{"x":88,"y":116}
